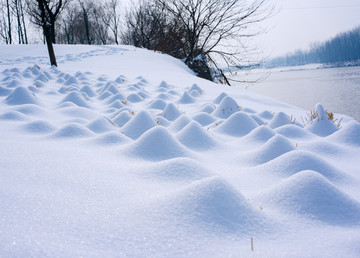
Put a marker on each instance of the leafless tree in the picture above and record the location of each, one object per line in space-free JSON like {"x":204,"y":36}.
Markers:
{"x":216,"y":30}
{"x":86,"y":7}
{"x":85,"y":22}
{"x":4,"y":15}
{"x":44,"y":14}
{"x":18,"y":9}
{"x":9,"y":22}
{"x":111,"y":18}
{"x":100,"y":22}
{"x":52,"y":10}
{"x":148,"y":25}
{"x":66,"y":26}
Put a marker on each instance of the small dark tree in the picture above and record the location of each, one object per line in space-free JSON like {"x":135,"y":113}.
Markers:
{"x":52,"y":10}
{"x":216,"y":30}
{"x":111,"y":18}
{"x":148,"y":25}
{"x":47,"y":28}
{"x":203,"y":33}
{"x":9,"y":21}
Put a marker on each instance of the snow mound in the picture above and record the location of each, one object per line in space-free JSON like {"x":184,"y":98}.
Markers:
{"x":226,"y":108}
{"x":275,"y":147}
{"x":179,"y":169}
{"x":30,"y":109}
{"x":294,"y":132}
{"x":195,"y":137}
{"x":325,"y":147}
{"x":259,"y":135}
{"x":180,"y":123}
{"x":15,"y":83}
{"x":135,"y":98}
{"x":195,"y":93}
{"x":257,"y":119}
{"x":298,"y":160}
{"x":100,"y":125}
{"x":321,"y":125}
{"x":88,"y":90}
{"x":111,"y":138}
{"x":207,"y":108}
{"x":39,"y":127}
{"x":164,"y":96}
{"x":311,"y":194}
{"x":239,"y":124}
{"x":164,"y":85}
{"x":157,"y":144}
{"x":117,"y":104}
{"x":76,"y":98}
{"x":158,"y":104}
{"x":186,"y":98}
{"x":266,"y":115}
{"x":220,"y":98}
{"x":204,"y":118}
{"x":248,"y":110}
{"x":42,"y":78}
{"x":70,"y":80}
{"x":172,"y":92}
{"x":73,"y":131}
{"x":214,"y":204}
{"x":120,"y":79}
{"x":139,"y":124}
{"x":4,"y":91}
{"x":21,"y":96}
{"x":170,"y":112}
{"x":105,"y":95}
{"x":196,"y":87}
{"x":122,"y":118}
{"x":14,"y":116}
{"x":279,"y":119}
{"x":162,"y":121}
{"x":349,"y":134}
{"x":111,"y":88}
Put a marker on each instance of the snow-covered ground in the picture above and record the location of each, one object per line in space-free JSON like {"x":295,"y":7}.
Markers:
{"x":124,"y":152}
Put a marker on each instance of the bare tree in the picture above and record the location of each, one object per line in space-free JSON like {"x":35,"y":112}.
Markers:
{"x":99,"y":23}
{"x":66,"y":26}
{"x":111,"y":18}
{"x":216,"y":29}
{"x":148,"y":25}
{"x":13,"y":21}
{"x":4,"y":31}
{"x":21,"y":12}
{"x":52,"y":10}
{"x":48,"y":27}
{"x":9,"y":22}
{"x":17,"y":9}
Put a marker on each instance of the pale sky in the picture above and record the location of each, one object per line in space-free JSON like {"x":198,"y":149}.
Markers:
{"x":300,"y":22}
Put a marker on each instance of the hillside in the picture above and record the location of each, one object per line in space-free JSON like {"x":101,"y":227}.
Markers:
{"x":124,"y":152}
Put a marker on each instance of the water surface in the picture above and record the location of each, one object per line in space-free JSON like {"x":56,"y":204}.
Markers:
{"x":337,"y":89}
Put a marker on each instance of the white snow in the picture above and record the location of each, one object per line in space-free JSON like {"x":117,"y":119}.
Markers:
{"x":123,"y":152}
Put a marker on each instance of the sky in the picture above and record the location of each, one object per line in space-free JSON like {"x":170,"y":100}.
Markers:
{"x":298,"y":23}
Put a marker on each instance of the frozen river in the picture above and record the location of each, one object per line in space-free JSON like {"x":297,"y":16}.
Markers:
{"x":337,"y":89}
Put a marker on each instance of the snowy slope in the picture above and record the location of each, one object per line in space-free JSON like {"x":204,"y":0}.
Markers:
{"x":124,"y":152}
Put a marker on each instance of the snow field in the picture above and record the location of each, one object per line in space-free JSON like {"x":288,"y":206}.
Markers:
{"x":139,"y":166}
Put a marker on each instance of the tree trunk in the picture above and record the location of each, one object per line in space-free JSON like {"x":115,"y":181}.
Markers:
{"x":52,"y":31}
{"x":47,"y":33}
{"x":9,"y":21}
{"x":23,"y":21}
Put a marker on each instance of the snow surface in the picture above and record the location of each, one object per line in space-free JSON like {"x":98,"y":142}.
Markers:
{"x":124,"y":152}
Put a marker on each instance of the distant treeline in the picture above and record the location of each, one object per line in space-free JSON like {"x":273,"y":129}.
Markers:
{"x":343,"y":48}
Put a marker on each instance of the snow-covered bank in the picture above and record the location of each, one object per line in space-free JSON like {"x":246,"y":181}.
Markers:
{"x":123,"y":152}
